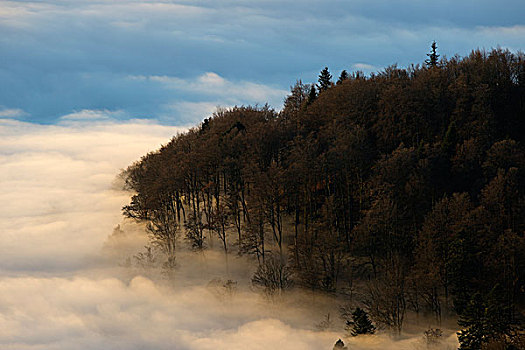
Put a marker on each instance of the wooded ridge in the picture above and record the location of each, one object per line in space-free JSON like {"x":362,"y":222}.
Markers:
{"x":407,"y":182}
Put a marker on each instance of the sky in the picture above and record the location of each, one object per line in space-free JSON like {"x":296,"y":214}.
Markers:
{"x":176,"y":61}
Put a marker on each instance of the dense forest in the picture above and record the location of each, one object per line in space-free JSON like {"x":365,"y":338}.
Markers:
{"x":406,"y":185}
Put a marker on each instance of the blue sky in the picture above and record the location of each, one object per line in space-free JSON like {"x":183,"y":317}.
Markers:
{"x":175,"y":61}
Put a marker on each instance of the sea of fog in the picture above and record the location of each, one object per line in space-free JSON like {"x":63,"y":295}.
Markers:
{"x":64,"y":280}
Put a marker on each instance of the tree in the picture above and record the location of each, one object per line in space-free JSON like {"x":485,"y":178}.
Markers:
{"x":195,"y":231}
{"x":164,"y":231}
{"x":273,"y":276}
{"x":360,"y":323}
{"x":450,"y":139}
{"x":312,"y":95}
{"x":485,"y":320}
{"x":504,"y":154}
{"x":432,"y":337}
{"x":342,"y":77}
{"x":325,"y":80}
{"x":433,"y":56}
{"x":386,"y":297}
{"x":340,"y":345}
{"x":434,"y":249}
{"x":297,"y":98}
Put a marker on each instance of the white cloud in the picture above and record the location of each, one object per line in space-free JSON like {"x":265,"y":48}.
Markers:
{"x":213,"y":85}
{"x":58,"y":292}
{"x":108,"y":313}
{"x":511,"y":33}
{"x":89,"y":114}
{"x":364,"y":66}
{"x":213,"y":91}
{"x":87,"y":313}
{"x":211,"y":78}
{"x":12,"y":112}
{"x":193,"y":111}
{"x":56,"y":184}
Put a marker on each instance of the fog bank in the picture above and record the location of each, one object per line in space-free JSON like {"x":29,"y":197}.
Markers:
{"x":61,"y":286}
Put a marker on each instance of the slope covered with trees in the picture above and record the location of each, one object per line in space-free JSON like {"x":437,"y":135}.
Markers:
{"x":408,"y":183}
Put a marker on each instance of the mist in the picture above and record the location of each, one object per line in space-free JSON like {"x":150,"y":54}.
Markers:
{"x":68,"y":277}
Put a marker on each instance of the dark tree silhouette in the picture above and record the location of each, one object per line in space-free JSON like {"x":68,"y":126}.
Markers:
{"x":312,"y":95}
{"x":360,"y":323}
{"x":325,"y":80}
{"x":342,"y":77}
{"x":433,"y":56}
{"x":339,"y":345}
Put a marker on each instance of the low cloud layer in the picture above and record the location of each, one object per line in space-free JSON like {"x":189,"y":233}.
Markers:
{"x":58,"y":291}
{"x":56,"y":186}
{"x":107,"y":313}
{"x":62,"y":280}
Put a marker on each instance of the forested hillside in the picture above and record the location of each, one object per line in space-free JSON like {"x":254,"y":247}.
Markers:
{"x":407,"y":184}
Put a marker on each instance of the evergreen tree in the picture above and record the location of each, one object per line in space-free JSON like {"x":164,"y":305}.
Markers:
{"x":485,"y":319}
{"x":449,"y":141}
{"x":340,"y":345}
{"x":433,"y":56}
{"x":325,"y":80}
{"x":342,"y":77}
{"x":475,"y":319}
{"x":312,"y":95}
{"x":360,"y":323}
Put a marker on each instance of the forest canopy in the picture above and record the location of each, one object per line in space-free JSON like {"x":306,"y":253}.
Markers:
{"x":408,"y":183}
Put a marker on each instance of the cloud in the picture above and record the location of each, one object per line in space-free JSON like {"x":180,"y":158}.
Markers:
{"x":364,"y":67}
{"x":213,"y":91}
{"x":12,"y":112}
{"x":193,"y":111}
{"x":56,"y":180}
{"x":61,"y":285}
{"x":260,"y":46}
{"x":54,"y":280}
{"x":86,"y":313}
{"x":211,"y":84}
{"x":108,"y":313}
{"x":92,"y":115}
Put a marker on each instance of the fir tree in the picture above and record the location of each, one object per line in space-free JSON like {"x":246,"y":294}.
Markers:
{"x":433,"y":56}
{"x":485,"y":319}
{"x":449,"y":140}
{"x":340,"y":345}
{"x":360,"y":323}
{"x":312,"y":95}
{"x":325,"y":80}
{"x":475,"y":319}
{"x":342,"y":77}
